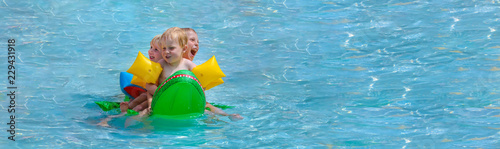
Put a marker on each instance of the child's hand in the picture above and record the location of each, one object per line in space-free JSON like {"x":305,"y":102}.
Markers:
{"x":235,"y":117}
{"x":124,"y":106}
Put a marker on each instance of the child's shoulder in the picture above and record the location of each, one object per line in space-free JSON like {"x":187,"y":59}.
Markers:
{"x":187,"y":60}
{"x":189,"y":64}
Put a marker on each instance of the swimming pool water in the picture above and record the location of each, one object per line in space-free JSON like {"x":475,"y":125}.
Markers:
{"x":303,"y":74}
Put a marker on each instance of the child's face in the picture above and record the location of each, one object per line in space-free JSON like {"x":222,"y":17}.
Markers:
{"x":154,"y":53}
{"x":192,"y":45}
{"x":172,"y":52}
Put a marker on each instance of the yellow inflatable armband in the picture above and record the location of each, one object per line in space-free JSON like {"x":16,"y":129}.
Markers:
{"x":145,"y":69}
{"x":209,"y":73}
{"x":138,"y":81}
{"x":214,"y":83}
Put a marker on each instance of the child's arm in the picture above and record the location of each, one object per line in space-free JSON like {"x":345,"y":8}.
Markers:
{"x":215,"y":110}
{"x":151,"y":88}
{"x":151,"y":91}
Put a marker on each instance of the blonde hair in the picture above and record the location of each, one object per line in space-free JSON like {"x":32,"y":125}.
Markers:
{"x":189,"y":29}
{"x":174,"y":33}
{"x":155,"y":40}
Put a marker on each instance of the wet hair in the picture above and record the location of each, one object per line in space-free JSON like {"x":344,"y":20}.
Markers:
{"x":174,"y":33}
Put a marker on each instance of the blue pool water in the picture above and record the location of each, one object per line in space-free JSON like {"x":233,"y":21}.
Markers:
{"x":303,"y":74}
